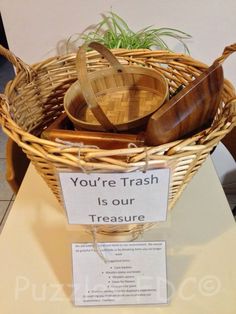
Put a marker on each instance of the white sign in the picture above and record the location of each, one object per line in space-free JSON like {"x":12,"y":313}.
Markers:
{"x":115,"y":198}
{"x":135,"y":273}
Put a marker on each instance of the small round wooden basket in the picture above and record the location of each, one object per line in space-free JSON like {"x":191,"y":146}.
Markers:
{"x":118,"y":98}
{"x":33,"y":100}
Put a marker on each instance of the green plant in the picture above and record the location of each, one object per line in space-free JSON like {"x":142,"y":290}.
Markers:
{"x":114,"y":32}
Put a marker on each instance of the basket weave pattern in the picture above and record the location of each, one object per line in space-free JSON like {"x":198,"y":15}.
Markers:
{"x":34,"y":98}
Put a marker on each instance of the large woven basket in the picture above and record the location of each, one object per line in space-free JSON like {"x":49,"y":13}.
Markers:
{"x":34,"y":98}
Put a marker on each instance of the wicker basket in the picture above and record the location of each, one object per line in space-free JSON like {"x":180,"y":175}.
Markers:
{"x":34,"y":98}
{"x":119,"y":98}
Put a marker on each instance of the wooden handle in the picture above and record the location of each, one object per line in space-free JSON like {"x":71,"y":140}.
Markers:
{"x":226,"y":53}
{"x":86,"y":88}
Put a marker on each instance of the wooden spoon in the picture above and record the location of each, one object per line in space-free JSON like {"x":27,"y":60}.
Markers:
{"x":192,"y":108}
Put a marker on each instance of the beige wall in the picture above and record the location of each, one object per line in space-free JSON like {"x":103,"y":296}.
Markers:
{"x":35,"y":28}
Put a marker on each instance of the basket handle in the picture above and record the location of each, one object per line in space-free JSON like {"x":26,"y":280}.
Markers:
{"x":84,"y":81}
{"x":17,"y":62}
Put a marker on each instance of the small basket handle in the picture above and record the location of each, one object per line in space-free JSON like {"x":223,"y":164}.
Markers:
{"x":86,"y":88}
{"x":17,"y":62}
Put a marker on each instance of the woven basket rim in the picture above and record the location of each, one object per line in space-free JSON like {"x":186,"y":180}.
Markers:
{"x":121,"y":53}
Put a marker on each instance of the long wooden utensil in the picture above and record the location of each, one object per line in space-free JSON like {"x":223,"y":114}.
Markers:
{"x":103,"y":140}
{"x":60,"y":129}
{"x":192,"y":108}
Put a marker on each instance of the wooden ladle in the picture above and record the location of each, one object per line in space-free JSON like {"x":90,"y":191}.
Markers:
{"x":192,"y":108}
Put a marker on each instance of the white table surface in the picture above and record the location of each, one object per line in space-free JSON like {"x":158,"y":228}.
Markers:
{"x":35,"y":252}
